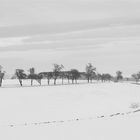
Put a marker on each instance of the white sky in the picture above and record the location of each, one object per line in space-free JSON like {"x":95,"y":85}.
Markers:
{"x":72,"y":32}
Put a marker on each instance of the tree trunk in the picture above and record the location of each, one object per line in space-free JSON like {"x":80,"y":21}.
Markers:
{"x":88,"y":80}
{"x":72,"y":81}
{"x":48,"y":81}
{"x":62,"y":81}
{"x":20,"y":81}
{"x":54,"y":81}
{"x":1,"y":78}
{"x":31,"y":82}
{"x":39,"y":81}
{"x":0,"y":82}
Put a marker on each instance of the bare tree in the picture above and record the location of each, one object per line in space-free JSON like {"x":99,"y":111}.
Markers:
{"x":136,"y":76}
{"x":106,"y":77}
{"x":1,"y":75}
{"x":74,"y":75}
{"x":56,"y":71}
{"x":31,"y":75}
{"x":49,"y":76}
{"x":34,"y":76}
{"x":20,"y":75}
{"x":68,"y":75}
{"x":90,"y":72}
{"x":62,"y":76}
{"x":119,"y":75}
{"x":98,"y":76}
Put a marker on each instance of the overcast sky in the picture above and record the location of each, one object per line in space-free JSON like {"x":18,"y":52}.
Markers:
{"x":38,"y":33}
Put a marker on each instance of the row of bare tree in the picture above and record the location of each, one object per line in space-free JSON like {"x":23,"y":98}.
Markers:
{"x":59,"y":73}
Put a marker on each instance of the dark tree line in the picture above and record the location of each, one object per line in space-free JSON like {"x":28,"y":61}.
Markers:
{"x":58,"y":72}
{"x":136,"y":76}
{"x":104,"y":77}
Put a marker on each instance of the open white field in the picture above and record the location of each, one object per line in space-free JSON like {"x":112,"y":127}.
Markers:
{"x":100,"y":111}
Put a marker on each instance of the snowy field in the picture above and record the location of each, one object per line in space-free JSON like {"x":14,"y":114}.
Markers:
{"x":98,"y":111}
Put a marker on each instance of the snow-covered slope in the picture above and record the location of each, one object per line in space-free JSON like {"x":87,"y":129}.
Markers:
{"x":67,"y":112}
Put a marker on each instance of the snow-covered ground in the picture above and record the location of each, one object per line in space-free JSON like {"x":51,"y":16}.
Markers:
{"x":100,"y":111}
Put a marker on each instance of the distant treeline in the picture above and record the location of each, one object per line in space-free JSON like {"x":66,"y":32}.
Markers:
{"x":72,"y":75}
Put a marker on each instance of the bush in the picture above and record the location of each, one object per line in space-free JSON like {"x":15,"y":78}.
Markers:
{"x":134,"y":105}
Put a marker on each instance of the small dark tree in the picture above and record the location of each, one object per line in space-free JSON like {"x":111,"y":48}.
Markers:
{"x":20,"y":75}
{"x":62,"y":76}
{"x":49,"y":75}
{"x":31,"y":75}
{"x":119,"y":75}
{"x":1,"y":75}
{"x":93,"y":76}
{"x":68,"y":75}
{"x":46,"y":75}
{"x":90,"y":72}
{"x":99,"y":76}
{"x":106,"y":77}
{"x":136,"y":76}
{"x":74,"y":75}
{"x":56,"y":71}
{"x":34,"y":76}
